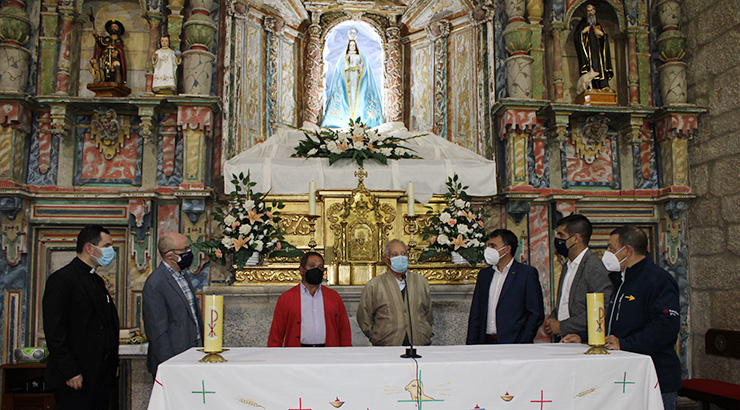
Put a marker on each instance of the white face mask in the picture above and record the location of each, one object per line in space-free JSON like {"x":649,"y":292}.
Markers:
{"x":611,"y":262}
{"x":492,"y":256}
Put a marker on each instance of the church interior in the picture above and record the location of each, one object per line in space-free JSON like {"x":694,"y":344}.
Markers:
{"x":137,"y":115}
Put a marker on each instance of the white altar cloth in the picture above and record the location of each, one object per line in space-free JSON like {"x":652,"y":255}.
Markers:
{"x":272,"y":168}
{"x":540,"y":376}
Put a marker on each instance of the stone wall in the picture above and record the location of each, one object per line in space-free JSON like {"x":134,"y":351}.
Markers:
{"x":713,"y":34}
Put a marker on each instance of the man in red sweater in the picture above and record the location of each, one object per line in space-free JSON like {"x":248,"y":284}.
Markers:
{"x":310,"y":315}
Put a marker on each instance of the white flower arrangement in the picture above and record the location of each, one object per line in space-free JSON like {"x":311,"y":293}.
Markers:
{"x":248,"y":226}
{"x":457,"y":228}
{"x":359,"y":143}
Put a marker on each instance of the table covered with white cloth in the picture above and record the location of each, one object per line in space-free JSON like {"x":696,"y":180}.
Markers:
{"x":540,"y":376}
{"x":272,"y":168}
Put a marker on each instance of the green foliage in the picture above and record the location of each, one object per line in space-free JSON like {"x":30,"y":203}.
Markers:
{"x":249,"y":225}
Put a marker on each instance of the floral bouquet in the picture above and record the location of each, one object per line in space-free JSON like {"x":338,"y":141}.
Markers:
{"x":457,"y":228}
{"x":248,"y":226}
{"x":358,"y":143}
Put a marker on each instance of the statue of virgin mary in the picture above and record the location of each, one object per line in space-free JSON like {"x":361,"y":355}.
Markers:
{"x":353,"y":92}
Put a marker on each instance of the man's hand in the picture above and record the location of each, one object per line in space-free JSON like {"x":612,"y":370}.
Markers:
{"x":552,"y":326}
{"x":586,"y":29}
{"x":598,"y":32}
{"x":612,"y":342}
{"x":75,"y":382}
{"x":571,"y":338}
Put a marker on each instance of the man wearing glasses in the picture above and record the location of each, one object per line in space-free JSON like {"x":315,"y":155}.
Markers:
{"x":172,"y":318}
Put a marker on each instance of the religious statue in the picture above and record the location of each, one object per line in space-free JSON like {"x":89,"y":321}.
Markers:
{"x":108,"y":63}
{"x":165,"y":61}
{"x":592,"y":47}
{"x":353,"y":91}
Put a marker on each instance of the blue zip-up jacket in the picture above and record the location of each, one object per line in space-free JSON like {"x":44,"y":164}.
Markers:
{"x":643,"y":313}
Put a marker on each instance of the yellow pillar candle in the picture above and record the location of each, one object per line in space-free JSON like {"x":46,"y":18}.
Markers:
{"x":213,"y":336}
{"x":596,"y":322}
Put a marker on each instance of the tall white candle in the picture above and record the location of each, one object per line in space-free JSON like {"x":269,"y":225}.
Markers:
{"x":410,"y":195}
{"x":213,"y":336}
{"x":312,"y":198}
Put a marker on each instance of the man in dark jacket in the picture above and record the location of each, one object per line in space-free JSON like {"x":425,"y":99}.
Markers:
{"x":81,"y":326}
{"x":643,"y":313}
{"x":173,"y":322}
{"x":507,"y":302}
{"x":582,"y":273}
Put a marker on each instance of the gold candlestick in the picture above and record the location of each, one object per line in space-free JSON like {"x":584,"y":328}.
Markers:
{"x":413,"y":227}
{"x":312,"y":230}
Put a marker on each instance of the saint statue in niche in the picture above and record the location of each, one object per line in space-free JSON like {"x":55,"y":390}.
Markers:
{"x":108,"y":63}
{"x":354,"y":92}
{"x":592,"y":47}
{"x":165,"y":61}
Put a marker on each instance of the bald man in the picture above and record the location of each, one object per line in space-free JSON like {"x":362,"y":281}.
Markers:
{"x":172,"y":318}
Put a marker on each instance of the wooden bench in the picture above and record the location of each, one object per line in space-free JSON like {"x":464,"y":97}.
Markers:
{"x":725,"y":343}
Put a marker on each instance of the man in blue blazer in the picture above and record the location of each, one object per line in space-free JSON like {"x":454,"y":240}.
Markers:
{"x":507,"y":302}
{"x":172,"y":318}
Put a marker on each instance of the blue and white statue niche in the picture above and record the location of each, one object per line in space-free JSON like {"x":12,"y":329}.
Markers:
{"x":354,"y":92}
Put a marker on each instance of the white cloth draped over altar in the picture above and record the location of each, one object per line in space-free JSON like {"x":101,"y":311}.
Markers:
{"x":273,"y":170}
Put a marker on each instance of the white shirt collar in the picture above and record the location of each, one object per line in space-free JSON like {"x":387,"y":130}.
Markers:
{"x":577,"y":260}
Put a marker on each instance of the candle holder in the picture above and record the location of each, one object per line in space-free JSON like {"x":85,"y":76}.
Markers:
{"x":413,"y":226}
{"x":213,"y":357}
{"x":597,"y":349}
{"x":312,"y":230}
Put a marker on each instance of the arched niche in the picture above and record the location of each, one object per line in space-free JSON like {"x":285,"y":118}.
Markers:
{"x":329,"y":21}
{"x":611,"y":17}
{"x":370,"y":43}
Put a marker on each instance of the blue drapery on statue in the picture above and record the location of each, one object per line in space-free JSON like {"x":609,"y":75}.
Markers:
{"x":353,"y":94}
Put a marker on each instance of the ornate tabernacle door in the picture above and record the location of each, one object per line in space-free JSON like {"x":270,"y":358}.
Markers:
{"x":360,"y":224}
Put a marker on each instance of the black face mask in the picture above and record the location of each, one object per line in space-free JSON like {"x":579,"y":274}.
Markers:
{"x":186,"y":259}
{"x":314,"y":276}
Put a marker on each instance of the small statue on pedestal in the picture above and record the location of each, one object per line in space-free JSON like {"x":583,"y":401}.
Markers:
{"x":108,"y":63}
{"x":594,"y":61}
{"x":165,"y":61}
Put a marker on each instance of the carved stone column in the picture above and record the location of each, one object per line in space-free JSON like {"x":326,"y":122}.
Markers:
{"x":47,"y":47}
{"x":271,"y":45}
{"x":438,"y":32}
{"x":518,"y":38}
{"x":15,"y":125}
{"x":671,"y":44}
{"x":673,"y":132}
{"x":394,"y":75}
{"x":195,"y":124}
{"x":16,"y":28}
{"x":633,"y":78}
{"x":174,"y":22}
{"x":557,"y":64}
{"x":515,"y":128}
{"x":67,"y":16}
{"x":197,"y":62}
{"x":155,"y":18}
{"x":312,"y":84}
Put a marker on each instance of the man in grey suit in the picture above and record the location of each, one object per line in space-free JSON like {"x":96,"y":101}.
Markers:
{"x":583,"y":273}
{"x":172,"y":318}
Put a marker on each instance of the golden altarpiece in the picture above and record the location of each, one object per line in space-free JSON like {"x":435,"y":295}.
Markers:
{"x":351,"y":229}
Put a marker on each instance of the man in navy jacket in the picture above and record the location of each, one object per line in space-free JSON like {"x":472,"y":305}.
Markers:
{"x":643,"y":314}
{"x":510,"y":289}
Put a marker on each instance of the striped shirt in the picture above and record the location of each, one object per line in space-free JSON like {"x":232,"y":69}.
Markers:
{"x":185,"y":287}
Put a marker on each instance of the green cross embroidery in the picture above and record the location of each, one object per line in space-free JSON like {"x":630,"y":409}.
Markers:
{"x":624,"y":383}
{"x":203,"y":391}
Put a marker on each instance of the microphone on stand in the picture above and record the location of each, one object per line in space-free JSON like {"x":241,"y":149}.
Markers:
{"x":410,"y":351}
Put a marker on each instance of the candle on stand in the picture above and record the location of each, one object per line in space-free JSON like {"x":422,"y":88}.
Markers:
{"x":595,"y":316}
{"x":410,"y":196}
{"x":213,"y":337}
{"x":312,"y":198}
